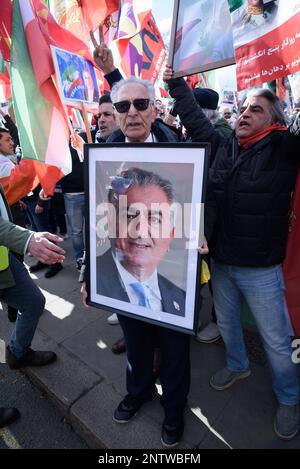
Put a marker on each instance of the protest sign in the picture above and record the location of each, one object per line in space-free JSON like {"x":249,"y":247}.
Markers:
{"x":76,"y":78}
{"x":201,"y":36}
{"x":266,"y":36}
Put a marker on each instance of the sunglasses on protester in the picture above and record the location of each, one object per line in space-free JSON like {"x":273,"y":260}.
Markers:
{"x":140,"y":104}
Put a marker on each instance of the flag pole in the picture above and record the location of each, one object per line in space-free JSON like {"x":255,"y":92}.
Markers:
{"x":86,"y":123}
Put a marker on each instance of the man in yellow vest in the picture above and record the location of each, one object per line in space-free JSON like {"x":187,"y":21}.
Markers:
{"x":19,"y":290}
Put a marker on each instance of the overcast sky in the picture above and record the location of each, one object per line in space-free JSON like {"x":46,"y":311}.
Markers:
{"x":162,"y":9}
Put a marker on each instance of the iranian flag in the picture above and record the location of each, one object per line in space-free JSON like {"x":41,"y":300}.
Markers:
{"x":266,"y":39}
{"x":41,"y":121}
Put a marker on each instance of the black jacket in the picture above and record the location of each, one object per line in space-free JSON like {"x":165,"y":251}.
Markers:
{"x":74,"y":182}
{"x":249,"y":193}
{"x":162,"y":133}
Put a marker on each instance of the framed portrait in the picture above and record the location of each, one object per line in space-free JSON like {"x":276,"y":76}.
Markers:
{"x":201,"y":36}
{"x":144,"y":219}
{"x":76,"y":78}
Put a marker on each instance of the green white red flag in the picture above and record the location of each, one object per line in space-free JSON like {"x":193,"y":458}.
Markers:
{"x":41,"y":121}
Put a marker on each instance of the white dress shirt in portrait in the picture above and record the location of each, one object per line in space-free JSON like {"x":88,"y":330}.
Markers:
{"x":150,"y":287}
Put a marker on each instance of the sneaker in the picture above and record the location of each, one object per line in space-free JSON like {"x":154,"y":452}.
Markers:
{"x":171,"y":434}
{"x":113,"y":320}
{"x":209,"y":334}
{"x":225,"y":378}
{"x":129,"y":406}
{"x":286,"y":422}
{"x":53,"y":270}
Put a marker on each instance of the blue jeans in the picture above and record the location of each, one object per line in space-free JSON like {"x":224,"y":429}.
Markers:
{"x":39,"y":221}
{"x":29,"y":300}
{"x":74,"y":204}
{"x":263,"y":289}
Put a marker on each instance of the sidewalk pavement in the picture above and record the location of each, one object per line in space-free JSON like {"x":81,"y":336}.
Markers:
{"x":88,"y":381}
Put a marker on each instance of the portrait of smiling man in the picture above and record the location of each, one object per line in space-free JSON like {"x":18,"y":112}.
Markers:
{"x":144,"y":230}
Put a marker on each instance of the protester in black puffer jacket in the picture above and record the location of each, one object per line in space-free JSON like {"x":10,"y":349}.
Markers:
{"x":251,"y":180}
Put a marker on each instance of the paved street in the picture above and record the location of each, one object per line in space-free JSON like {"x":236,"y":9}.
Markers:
{"x":87,"y":382}
{"x":42,"y":424}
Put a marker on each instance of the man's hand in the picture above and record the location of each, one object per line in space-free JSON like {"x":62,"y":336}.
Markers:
{"x":43,"y":196}
{"x":102,"y":54}
{"x":77,"y":143}
{"x":168,"y":73}
{"x":41,"y":247}
{"x":204,"y":248}
{"x":84,"y":294}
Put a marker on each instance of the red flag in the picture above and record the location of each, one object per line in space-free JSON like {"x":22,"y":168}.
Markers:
{"x":5,"y":28}
{"x":154,"y":52}
{"x":31,"y":69}
{"x":95,"y":12}
{"x":164,"y":93}
{"x":291,"y":265}
{"x":21,"y":181}
{"x":280,"y":89}
{"x":192,"y":81}
{"x":69,"y":15}
{"x":5,"y":89}
{"x":140,"y":44}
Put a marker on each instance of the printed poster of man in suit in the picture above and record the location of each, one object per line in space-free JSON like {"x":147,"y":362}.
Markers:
{"x":134,"y":269}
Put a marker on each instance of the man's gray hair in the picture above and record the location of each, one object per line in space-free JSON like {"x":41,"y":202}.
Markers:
{"x":117,"y":86}
{"x":212,"y":114}
{"x":136,"y":177}
{"x":276,"y":108}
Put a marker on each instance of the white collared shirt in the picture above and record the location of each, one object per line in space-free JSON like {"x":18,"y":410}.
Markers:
{"x":150,"y":139}
{"x":6,"y":165}
{"x":150,"y":285}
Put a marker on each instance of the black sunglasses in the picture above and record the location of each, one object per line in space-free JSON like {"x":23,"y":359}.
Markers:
{"x":140,"y":104}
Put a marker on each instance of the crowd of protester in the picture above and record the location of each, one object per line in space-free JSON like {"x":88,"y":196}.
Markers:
{"x":254,"y":162}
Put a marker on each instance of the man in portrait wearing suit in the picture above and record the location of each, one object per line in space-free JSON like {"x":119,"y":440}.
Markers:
{"x":128,"y":271}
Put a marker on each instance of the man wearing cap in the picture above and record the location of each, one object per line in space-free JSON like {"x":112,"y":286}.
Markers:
{"x":208,"y":100}
{"x":247,"y":220}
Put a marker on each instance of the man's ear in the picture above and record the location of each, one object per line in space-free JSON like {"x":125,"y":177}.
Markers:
{"x":117,"y":118}
{"x":154,"y":113}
